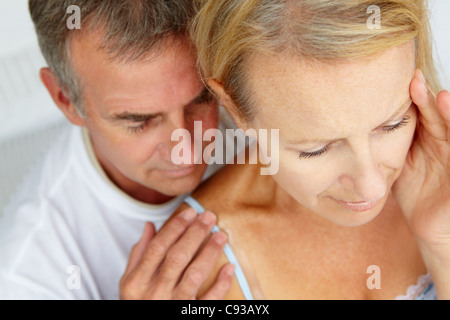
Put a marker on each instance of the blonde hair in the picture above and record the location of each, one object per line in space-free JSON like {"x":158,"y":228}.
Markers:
{"x":227,"y":33}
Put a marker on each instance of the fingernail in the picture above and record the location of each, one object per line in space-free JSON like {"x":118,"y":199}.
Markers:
{"x":188,"y":214}
{"x":230,"y":270}
{"x":220,"y":238}
{"x":424,"y":82}
{"x":207,"y":217}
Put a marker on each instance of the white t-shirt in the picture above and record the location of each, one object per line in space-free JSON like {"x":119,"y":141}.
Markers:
{"x":68,"y":233}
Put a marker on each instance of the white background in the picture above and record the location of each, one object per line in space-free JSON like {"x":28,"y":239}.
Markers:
{"x":440,"y":25}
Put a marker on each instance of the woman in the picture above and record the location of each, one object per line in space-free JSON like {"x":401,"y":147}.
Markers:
{"x":360,"y":206}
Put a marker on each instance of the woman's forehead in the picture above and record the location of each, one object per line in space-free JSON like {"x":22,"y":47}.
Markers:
{"x":314,"y":94}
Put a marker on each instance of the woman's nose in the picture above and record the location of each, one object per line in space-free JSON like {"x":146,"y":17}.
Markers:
{"x":366,"y":178}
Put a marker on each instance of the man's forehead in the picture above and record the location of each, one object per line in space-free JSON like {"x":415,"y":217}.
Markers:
{"x":93,"y":44}
{"x":142,"y":84}
{"x":133,"y":109}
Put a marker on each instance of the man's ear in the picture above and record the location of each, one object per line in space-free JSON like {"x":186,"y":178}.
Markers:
{"x":228,"y":103}
{"x":60,"y":98}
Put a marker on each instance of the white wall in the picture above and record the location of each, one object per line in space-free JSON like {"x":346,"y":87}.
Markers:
{"x":440,"y":24}
{"x":24,"y":103}
{"x":29,"y":121}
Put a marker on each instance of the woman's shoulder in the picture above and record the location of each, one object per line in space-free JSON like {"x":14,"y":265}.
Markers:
{"x":233,"y":189}
{"x":227,"y":188}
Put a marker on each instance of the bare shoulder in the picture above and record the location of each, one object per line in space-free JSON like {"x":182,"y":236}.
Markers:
{"x":224,"y":193}
{"x":223,"y":189}
{"x":234,"y":189}
{"x":218,"y":192}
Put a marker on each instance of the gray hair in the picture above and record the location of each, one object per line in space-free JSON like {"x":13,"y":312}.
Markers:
{"x":133,"y":29}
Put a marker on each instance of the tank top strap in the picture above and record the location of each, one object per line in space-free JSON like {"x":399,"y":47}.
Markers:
{"x":228,"y":252}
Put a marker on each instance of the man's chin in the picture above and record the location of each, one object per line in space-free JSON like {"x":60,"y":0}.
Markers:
{"x":180,"y":189}
{"x":179,"y":182}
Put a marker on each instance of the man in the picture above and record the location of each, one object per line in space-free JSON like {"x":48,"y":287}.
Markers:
{"x":126,"y":78}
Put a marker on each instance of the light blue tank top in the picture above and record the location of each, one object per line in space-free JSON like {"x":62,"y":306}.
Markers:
{"x":428,"y":294}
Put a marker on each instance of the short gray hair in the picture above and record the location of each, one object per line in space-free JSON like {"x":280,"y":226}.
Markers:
{"x":133,"y":29}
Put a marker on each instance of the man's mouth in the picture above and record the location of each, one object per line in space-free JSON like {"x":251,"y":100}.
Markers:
{"x":179,"y":171}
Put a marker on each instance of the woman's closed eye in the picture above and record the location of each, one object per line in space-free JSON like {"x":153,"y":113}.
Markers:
{"x":313,"y":154}
{"x":398,"y":125}
{"x":386,"y":128}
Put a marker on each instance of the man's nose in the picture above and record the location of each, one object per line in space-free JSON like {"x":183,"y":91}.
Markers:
{"x":177,"y":121}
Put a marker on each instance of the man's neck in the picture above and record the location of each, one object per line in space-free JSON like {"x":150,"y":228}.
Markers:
{"x":145,"y":195}
{"x":134,"y":189}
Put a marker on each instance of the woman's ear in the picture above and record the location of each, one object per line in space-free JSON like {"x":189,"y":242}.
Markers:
{"x":60,"y":98}
{"x":228,"y":103}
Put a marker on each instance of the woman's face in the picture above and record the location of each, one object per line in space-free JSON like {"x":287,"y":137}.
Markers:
{"x":345,"y":129}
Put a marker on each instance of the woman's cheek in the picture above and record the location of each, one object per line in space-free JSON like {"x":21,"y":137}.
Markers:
{"x":304,"y":180}
{"x":394,"y":147}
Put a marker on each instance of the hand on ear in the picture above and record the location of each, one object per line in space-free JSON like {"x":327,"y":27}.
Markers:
{"x":58,"y":95}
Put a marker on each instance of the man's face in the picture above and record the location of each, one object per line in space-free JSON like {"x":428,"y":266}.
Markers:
{"x":133,"y":108}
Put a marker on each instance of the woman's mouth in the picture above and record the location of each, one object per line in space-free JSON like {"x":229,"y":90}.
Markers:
{"x":359,"y":206}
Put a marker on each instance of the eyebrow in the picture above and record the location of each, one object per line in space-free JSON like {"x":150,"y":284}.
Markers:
{"x":143,"y":117}
{"x":398,"y":112}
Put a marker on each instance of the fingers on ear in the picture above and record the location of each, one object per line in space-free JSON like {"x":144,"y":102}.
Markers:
{"x":419,"y":88}
{"x":443,"y":102}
